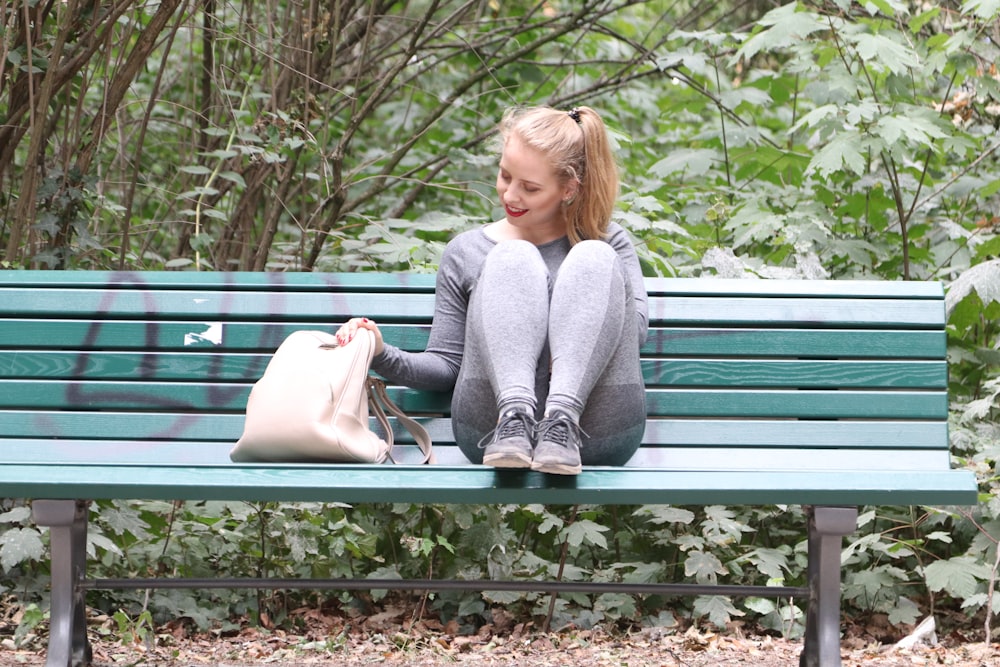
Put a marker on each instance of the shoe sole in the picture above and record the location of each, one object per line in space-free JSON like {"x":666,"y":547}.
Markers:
{"x":554,"y":468}
{"x":507,"y":461}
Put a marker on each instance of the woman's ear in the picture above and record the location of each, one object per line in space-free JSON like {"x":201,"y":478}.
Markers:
{"x":571,"y":191}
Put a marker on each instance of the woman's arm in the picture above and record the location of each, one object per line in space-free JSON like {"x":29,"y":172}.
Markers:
{"x":436,"y":368}
{"x":624,"y":246}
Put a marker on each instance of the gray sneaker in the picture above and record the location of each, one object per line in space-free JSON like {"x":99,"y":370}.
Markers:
{"x":510,"y":446}
{"x":558,"y":448}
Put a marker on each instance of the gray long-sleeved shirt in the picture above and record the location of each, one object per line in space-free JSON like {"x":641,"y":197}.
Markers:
{"x":436,"y":368}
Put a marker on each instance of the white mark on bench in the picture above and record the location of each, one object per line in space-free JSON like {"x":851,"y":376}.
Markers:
{"x":211,"y":335}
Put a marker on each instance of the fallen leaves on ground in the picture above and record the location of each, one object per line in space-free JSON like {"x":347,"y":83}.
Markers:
{"x":431,"y":644}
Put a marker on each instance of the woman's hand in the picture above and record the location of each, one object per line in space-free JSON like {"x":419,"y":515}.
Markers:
{"x":346,"y":332}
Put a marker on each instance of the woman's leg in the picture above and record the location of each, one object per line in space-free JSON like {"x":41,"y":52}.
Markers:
{"x":596,"y":382}
{"x":505,"y":337}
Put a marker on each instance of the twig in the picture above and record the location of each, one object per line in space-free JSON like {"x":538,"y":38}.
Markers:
{"x":559,"y":575}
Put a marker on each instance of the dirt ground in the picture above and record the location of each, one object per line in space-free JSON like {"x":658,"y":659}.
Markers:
{"x":426,"y":648}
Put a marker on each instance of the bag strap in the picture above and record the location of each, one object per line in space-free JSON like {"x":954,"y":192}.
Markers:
{"x":379,"y":397}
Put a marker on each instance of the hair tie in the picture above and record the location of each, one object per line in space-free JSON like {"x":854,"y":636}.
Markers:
{"x":574,"y":113}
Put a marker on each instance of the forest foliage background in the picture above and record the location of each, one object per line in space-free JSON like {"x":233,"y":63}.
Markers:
{"x":757,"y":139}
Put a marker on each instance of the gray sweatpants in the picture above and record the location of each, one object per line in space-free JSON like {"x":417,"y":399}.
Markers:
{"x":567,"y":341}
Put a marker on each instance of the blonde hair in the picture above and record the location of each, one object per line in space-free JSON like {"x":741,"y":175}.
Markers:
{"x":577,"y":144}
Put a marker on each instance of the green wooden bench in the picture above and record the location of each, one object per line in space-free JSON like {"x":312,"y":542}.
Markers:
{"x":124,"y":385}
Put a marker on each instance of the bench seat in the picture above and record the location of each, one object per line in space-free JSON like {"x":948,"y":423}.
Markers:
{"x":132,"y":385}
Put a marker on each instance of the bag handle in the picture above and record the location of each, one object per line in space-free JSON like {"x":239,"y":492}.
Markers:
{"x":379,"y":397}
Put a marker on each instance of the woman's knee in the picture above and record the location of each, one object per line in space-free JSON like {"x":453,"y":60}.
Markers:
{"x":594,"y":253}
{"x":515,"y":250}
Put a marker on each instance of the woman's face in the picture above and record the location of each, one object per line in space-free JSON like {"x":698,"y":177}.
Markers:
{"x":530,"y":190}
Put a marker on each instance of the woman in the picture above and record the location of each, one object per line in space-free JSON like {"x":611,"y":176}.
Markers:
{"x":538,"y":316}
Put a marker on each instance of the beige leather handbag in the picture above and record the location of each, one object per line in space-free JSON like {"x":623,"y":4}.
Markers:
{"x":311,"y":405}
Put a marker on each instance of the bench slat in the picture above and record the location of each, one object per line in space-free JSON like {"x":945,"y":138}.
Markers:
{"x":169,"y":335}
{"x":169,"y":451}
{"x":781,"y":311}
{"x":266,"y":336}
{"x":425,"y":282}
{"x":212,"y":306}
{"x":811,"y":404}
{"x":800,"y":343}
{"x":219,"y":306}
{"x":802,"y":374}
{"x":678,"y":372}
{"x":811,"y":288}
{"x":667,"y":433}
{"x":480,"y":485}
{"x":233,"y":280}
{"x":205,"y":396}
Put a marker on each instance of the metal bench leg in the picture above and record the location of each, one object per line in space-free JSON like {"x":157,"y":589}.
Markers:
{"x":827,"y":528}
{"x":67,"y":522}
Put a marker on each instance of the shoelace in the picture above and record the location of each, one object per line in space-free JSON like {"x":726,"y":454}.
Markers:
{"x":513,"y":424}
{"x":557,"y":429}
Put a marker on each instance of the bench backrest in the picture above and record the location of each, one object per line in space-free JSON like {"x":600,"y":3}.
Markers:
{"x":741,"y":375}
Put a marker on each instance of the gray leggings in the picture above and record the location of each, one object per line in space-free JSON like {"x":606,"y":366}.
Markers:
{"x":567,"y":342}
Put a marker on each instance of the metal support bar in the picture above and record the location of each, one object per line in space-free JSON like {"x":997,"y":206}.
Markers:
{"x":827,"y":527}
{"x":67,"y":523}
{"x":452,"y":585}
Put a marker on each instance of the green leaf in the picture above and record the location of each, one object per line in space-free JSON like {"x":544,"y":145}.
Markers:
{"x":198,"y":169}
{"x":886,"y":7}
{"x":911,"y":126}
{"x":198,"y":192}
{"x":905,"y":611}
{"x":917,"y":23}
{"x":443,"y":541}
{"x":959,"y":576}
{"x":105,"y":543}
{"x":222,"y":153}
{"x":867,"y":583}
{"x":549,"y":522}
{"x":755,"y":97}
{"x":863,"y":112}
{"x":718,"y":609}
{"x":643,"y":573}
{"x":124,"y":520}
{"x":879,"y":49}
{"x":16,"y":515}
{"x":984,"y":9}
{"x":586,"y":530}
{"x":761,"y":606}
{"x":982,"y":278}
{"x":819,"y":114}
{"x":234,"y":177}
{"x":843,"y":151}
{"x":990,"y":248}
{"x":18,"y":545}
{"x":991,"y":188}
{"x":771,"y":562}
{"x":691,"y":161}
{"x":941,"y":536}
{"x":786,"y":27}
{"x":661,"y":514}
{"x":703,"y":566}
